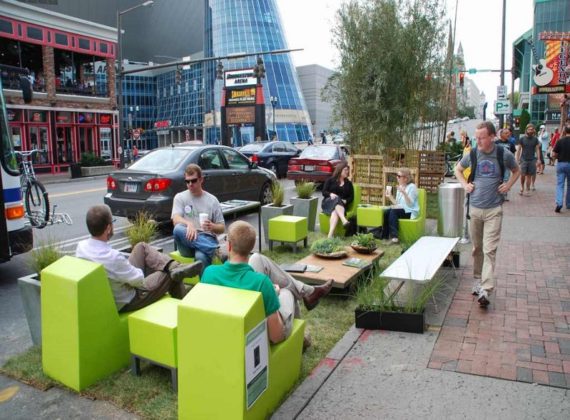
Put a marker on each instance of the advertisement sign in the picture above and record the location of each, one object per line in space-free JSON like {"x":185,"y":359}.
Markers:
{"x":256,"y":363}
{"x":85,"y":118}
{"x":244,"y":77}
{"x":37,"y":116}
{"x":162,"y":124}
{"x":552,"y":74}
{"x":240,"y":115}
{"x":63,"y":117}
{"x":105,"y":119}
{"x":13,"y":114}
{"x":238,"y":97}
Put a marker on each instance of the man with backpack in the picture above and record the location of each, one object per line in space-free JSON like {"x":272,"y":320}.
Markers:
{"x":486,"y":188}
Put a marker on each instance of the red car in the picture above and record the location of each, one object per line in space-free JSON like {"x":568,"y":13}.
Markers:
{"x":316,"y":163}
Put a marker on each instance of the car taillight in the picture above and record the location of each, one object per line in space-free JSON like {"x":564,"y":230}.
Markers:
{"x":324,"y":168}
{"x":157,"y":184}
{"x":294,"y":167}
{"x":255,"y":159}
{"x":111,"y":183}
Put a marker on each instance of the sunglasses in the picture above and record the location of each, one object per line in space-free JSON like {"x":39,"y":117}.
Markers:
{"x":399,"y":176}
{"x":191,"y":181}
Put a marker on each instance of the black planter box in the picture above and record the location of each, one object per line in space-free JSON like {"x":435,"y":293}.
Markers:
{"x":391,"y":321}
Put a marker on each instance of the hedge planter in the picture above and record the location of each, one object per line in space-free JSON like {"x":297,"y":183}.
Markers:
{"x":96,"y":170}
{"x":391,"y":321}
{"x":269,"y":212}
{"x":306,"y":207}
{"x":30,"y":291}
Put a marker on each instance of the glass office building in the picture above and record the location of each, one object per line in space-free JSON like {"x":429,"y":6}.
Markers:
{"x":252,"y":26}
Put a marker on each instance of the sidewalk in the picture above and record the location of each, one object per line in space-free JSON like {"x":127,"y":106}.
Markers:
{"x":511,"y":361}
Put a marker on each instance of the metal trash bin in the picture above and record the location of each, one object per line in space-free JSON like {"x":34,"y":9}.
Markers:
{"x":451,"y":199}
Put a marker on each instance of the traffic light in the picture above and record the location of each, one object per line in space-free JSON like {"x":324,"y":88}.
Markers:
{"x":461,"y":79}
{"x":259,"y":69}
{"x":178,"y":76}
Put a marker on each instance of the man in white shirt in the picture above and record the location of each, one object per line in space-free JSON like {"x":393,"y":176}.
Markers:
{"x":131,"y":289}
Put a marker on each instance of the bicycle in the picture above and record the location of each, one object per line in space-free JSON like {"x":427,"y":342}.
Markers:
{"x":36,"y":201}
{"x":450,"y":163}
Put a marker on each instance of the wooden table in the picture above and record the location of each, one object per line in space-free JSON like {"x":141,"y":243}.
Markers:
{"x":333,"y":268}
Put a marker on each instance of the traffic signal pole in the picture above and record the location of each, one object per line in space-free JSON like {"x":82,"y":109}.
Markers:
{"x":502,"y":116}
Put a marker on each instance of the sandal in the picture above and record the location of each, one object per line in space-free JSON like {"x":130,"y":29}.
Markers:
{"x":521,"y":192}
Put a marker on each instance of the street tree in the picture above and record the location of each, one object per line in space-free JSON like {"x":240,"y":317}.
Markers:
{"x":391,"y":73}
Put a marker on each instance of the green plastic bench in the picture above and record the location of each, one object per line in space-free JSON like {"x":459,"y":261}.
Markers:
{"x":215,"y":361}
{"x":409,"y":231}
{"x":84,"y":338}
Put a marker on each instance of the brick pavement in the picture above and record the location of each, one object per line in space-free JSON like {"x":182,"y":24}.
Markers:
{"x":524,"y":335}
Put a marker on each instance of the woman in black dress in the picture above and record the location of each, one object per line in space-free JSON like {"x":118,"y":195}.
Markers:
{"x":338,"y":192}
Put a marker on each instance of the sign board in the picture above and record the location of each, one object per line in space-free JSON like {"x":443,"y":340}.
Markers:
{"x":503,"y":106}
{"x":240,"y":115}
{"x":502,"y":92}
{"x":256,"y":363}
{"x":240,"y":97}
{"x":245,"y":77}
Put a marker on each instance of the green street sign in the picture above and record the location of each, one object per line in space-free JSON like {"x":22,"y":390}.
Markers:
{"x":472,"y":71}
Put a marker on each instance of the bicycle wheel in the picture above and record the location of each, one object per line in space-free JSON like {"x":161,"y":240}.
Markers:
{"x":36,"y":204}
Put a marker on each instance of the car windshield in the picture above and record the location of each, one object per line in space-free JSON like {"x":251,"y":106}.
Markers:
{"x":321,"y":152}
{"x":252,"y":147}
{"x":161,"y":160}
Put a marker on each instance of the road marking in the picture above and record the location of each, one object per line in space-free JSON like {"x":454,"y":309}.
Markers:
{"x":77,"y":192}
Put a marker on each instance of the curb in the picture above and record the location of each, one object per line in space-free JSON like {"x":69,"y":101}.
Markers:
{"x":46,"y":180}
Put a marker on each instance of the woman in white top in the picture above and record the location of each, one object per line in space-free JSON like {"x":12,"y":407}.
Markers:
{"x":404,"y":206}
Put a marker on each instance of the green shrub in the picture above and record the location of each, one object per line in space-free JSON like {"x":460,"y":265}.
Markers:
{"x":365,"y":240}
{"x":91,"y":159}
{"x":327,"y":245}
{"x":142,"y":229}
{"x":305,"y":189}
{"x":278,"y":193}
{"x":43,"y":255}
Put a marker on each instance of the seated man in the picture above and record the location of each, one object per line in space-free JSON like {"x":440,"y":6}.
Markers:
{"x":194,"y":237}
{"x":281,"y":299}
{"x":131,"y":289}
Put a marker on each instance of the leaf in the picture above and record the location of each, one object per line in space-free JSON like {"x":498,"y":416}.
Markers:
{"x":7,"y":394}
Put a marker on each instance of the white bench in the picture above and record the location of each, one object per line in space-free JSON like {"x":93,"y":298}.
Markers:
{"x":421,"y":261}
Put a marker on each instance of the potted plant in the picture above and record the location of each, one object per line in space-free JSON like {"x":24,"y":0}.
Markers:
{"x":329,"y":248}
{"x":276,"y":208}
{"x":91,"y":165}
{"x":30,"y":286}
{"x":305,"y":205}
{"x":378,"y":308}
{"x":364,"y":243}
{"x":143,"y":228}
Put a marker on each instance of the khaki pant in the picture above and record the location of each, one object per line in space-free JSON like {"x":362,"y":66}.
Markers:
{"x":292,"y":291}
{"x":157,"y":281}
{"x":485,"y":230}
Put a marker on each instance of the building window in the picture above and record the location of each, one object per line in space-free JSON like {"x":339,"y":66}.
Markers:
{"x":103,"y":47}
{"x":61,"y":39}
{"x":84,"y":44}
{"x":35,"y":33}
{"x":6,"y":26}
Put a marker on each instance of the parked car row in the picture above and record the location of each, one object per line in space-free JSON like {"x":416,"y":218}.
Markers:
{"x":316,"y":163}
{"x":273,"y":155}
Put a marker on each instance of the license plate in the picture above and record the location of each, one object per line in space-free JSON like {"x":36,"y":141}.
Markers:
{"x":131,"y":187}
{"x":309,"y":168}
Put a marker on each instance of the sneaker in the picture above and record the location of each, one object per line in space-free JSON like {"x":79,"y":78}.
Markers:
{"x":557,"y":209}
{"x":483,"y":299}
{"x":476,"y":289}
{"x":395,"y":240}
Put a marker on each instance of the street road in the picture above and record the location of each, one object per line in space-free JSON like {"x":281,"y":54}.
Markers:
{"x":74,"y":198}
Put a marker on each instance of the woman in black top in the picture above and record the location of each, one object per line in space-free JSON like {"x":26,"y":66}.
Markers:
{"x":338,"y":192}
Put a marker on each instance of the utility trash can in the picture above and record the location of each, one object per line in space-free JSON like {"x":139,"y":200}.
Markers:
{"x":75,"y":169}
{"x":451,"y":199}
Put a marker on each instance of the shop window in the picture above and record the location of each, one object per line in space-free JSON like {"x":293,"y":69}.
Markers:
{"x":6,"y":26}
{"x":34,"y":33}
{"x":61,"y":39}
{"x":84,"y":44}
{"x":103,"y":47}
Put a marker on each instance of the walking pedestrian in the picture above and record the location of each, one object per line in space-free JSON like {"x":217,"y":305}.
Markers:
{"x":544,"y":138}
{"x":486,"y":187}
{"x":553,"y":139}
{"x":528,"y":151}
{"x":503,"y":141}
{"x":561,"y":152}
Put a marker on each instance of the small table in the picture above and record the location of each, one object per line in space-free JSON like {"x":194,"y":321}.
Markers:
{"x":236,"y":208}
{"x":334,"y":269}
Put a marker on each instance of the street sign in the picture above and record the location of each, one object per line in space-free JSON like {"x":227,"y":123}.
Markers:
{"x":472,"y":71}
{"x":502,"y":106}
{"x":502,"y":92}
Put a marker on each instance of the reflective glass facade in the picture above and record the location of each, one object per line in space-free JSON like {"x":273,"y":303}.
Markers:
{"x":253,"y":26}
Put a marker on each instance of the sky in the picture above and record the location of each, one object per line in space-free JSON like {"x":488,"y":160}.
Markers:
{"x":308,"y":23}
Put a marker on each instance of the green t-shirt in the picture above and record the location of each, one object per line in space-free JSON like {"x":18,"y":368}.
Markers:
{"x":242,"y":276}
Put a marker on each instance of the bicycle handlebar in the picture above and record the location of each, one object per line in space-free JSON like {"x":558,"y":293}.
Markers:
{"x":29,"y":152}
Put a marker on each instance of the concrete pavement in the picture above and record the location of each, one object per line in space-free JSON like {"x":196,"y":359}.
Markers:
{"x":379,"y":374}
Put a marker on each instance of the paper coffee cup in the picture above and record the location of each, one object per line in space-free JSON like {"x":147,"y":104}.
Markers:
{"x":389,"y":189}
{"x":203,"y":217}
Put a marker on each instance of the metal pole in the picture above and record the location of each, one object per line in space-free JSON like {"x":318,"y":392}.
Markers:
{"x":120,"y":91}
{"x":502,"y":116}
{"x":273,"y":102}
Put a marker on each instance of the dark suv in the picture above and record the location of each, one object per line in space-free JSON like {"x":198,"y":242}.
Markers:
{"x":273,"y":155}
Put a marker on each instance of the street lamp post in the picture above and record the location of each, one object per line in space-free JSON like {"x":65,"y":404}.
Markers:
{"x":273,"y":100}
{"x":120,"y":76}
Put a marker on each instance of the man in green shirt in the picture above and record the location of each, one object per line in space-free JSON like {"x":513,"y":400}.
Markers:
{"x":281,"y":293}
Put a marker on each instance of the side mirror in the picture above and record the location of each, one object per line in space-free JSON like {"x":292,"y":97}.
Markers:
{"x":26,"y":86}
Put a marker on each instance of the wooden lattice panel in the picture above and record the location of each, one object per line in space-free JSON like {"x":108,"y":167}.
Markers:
{"x":431,"y":162}
{"x":401,"y":158}
{"x":367,"y":169}
{"x":430,"y":181}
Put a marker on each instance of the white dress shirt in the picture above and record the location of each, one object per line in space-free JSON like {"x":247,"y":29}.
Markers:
{"x":123,"y":276}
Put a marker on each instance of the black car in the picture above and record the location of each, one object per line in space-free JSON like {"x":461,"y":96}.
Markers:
{"x":273,"y":155}
{"x":151,"y":183}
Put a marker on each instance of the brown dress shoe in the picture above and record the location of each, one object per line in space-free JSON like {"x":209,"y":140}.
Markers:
{"x":312,"y":300}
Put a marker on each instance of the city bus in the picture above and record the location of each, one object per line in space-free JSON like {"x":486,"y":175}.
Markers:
{"x":16,"y":235}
